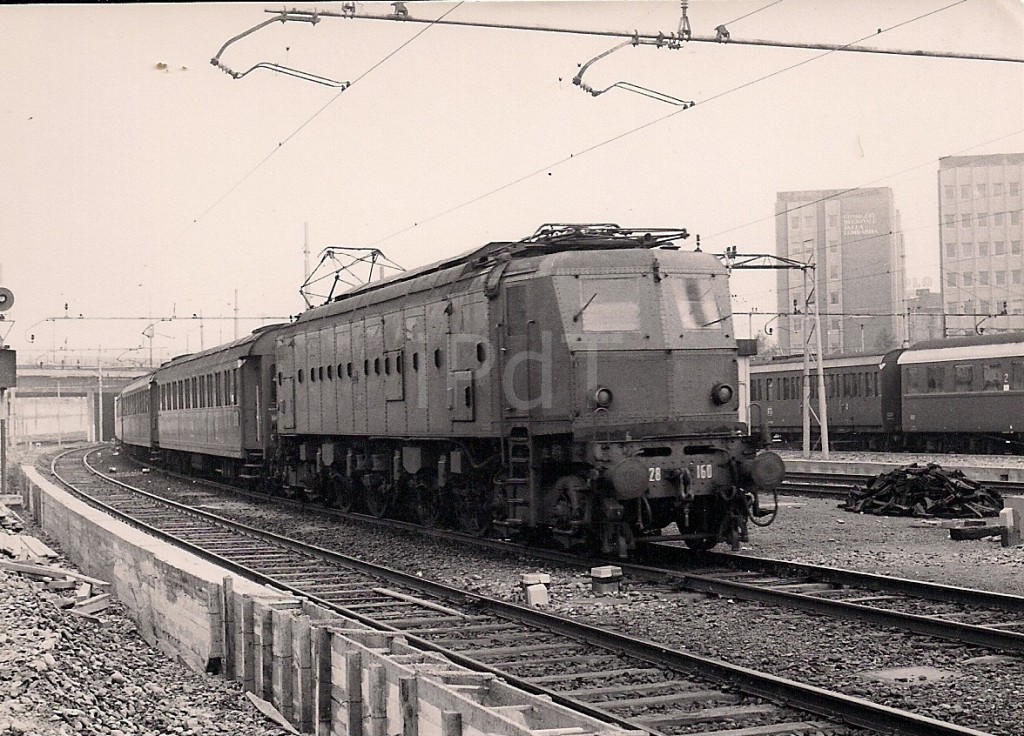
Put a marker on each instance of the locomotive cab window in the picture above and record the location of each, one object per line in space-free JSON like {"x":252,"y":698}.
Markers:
{"x":693,"y":300}
{"x":608,"y":304}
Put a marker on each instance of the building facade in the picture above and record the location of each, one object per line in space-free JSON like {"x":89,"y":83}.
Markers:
{"x":855,"y":240}
{"x":980,"y":204}
{"x":924,"y":316}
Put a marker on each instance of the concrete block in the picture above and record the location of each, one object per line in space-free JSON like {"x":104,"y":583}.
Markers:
{"x":1017,"y":504}
{"x":537,"y":595}
{"x":604,"y":580}
{"x":535,"y":578}
{"x":1011,"y":533}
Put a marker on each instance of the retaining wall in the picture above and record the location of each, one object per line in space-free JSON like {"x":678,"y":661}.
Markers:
{"x":326,"y":674}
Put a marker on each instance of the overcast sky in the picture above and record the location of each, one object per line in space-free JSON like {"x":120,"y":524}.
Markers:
{"x":140,"y":181}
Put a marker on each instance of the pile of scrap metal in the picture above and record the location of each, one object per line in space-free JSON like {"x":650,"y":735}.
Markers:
{"x":928,"y":490}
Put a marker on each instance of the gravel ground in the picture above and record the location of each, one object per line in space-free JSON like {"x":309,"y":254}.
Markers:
{"x":980,"y":690}
{"x":61,"y":674}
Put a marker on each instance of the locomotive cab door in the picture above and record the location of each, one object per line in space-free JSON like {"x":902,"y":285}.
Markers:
{"x":286,"y":404}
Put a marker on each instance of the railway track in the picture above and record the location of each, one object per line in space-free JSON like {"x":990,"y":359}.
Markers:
{"x":949,"y":613}
{"x":619,"y":678}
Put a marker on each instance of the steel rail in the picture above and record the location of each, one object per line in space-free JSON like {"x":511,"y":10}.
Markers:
{"x":937,"y":627}
{"x":849,"y":709}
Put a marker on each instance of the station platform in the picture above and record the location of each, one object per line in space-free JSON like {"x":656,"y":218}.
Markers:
{"x":986,"y":468}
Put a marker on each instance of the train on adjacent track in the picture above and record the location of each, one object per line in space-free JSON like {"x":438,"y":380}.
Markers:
{"x":963,"y":394}
{"x":579,"y":385}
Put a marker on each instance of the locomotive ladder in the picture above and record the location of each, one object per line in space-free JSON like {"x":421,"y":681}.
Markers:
{"x":252,"y":468}
{"x":521,"y":494}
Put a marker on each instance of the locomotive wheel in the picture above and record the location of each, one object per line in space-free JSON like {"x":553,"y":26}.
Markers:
{"x":568,"y":506}
{"x":378,"y":498}
{"x":429,"y":502}
{"x":706,"y":517}
{"x":471,"y":512}
{"x":341,"y":492}
{"x":569,"y":514}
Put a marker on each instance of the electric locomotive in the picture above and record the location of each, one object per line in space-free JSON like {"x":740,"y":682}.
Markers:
{"x":577,"y":385}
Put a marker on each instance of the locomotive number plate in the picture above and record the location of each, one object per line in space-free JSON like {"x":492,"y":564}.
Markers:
{"x":705,"y":470}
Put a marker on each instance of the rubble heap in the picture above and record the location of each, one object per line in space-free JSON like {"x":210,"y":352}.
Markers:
{"x":916,"y":490}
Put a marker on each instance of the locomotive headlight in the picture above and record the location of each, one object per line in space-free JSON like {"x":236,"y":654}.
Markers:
{"x":722,"y":393}
{"x":603,"y":397}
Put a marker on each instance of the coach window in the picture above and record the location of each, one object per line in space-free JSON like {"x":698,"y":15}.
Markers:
{"x":415,"y":361}
{"x":768,"y":390}
{"x":202,"y":391}
{"x":963,"y":378}
{"x":398,"y":364}
{"x":320,"y":373}
{"x":209,"y":389}
{"x":994,"y":377}
{"x":481,"y":354}
{"x":387,"y":365}
{"x":234,"y":386}
{"x":437,"y":358}
{"x":219,"y":388}
{"x":312,"y":375}
{"x":366,"y":367}
{"x":935,"y":376}
{"x":348,"y":369}
{"x":330,"y":373}
{"x":376,"y":366}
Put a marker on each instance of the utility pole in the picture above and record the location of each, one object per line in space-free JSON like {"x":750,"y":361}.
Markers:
{"x":806,"y":384}
{"x":236,"y":314}
{"x":60,"y":435}
{"x":305,"y":252}
{"x":99,"y":397}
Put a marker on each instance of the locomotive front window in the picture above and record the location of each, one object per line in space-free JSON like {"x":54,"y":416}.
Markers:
{"x":692,"y":300}
{"x":609,"y":304}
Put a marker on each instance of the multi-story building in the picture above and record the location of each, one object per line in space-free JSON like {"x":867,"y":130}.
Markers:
{"x":980,"y":204}
{"x":855,"y":240}
{"x":924,"y":316}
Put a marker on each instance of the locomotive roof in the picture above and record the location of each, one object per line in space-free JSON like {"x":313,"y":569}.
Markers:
{"x":548,"y":239}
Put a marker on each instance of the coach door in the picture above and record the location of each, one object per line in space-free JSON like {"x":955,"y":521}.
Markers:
{"x":154,"y":415}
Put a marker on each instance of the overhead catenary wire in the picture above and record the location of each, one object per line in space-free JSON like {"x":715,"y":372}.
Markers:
{"x":652,"y":37}
{"x":308,"y":120}
{"x":649,"y":124}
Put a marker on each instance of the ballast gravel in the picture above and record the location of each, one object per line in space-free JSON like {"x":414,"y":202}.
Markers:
{"x":970,"y":687}
{"x":61,"y":674}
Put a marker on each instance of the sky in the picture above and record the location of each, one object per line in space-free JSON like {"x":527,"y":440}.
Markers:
{"x":141,"y":185}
